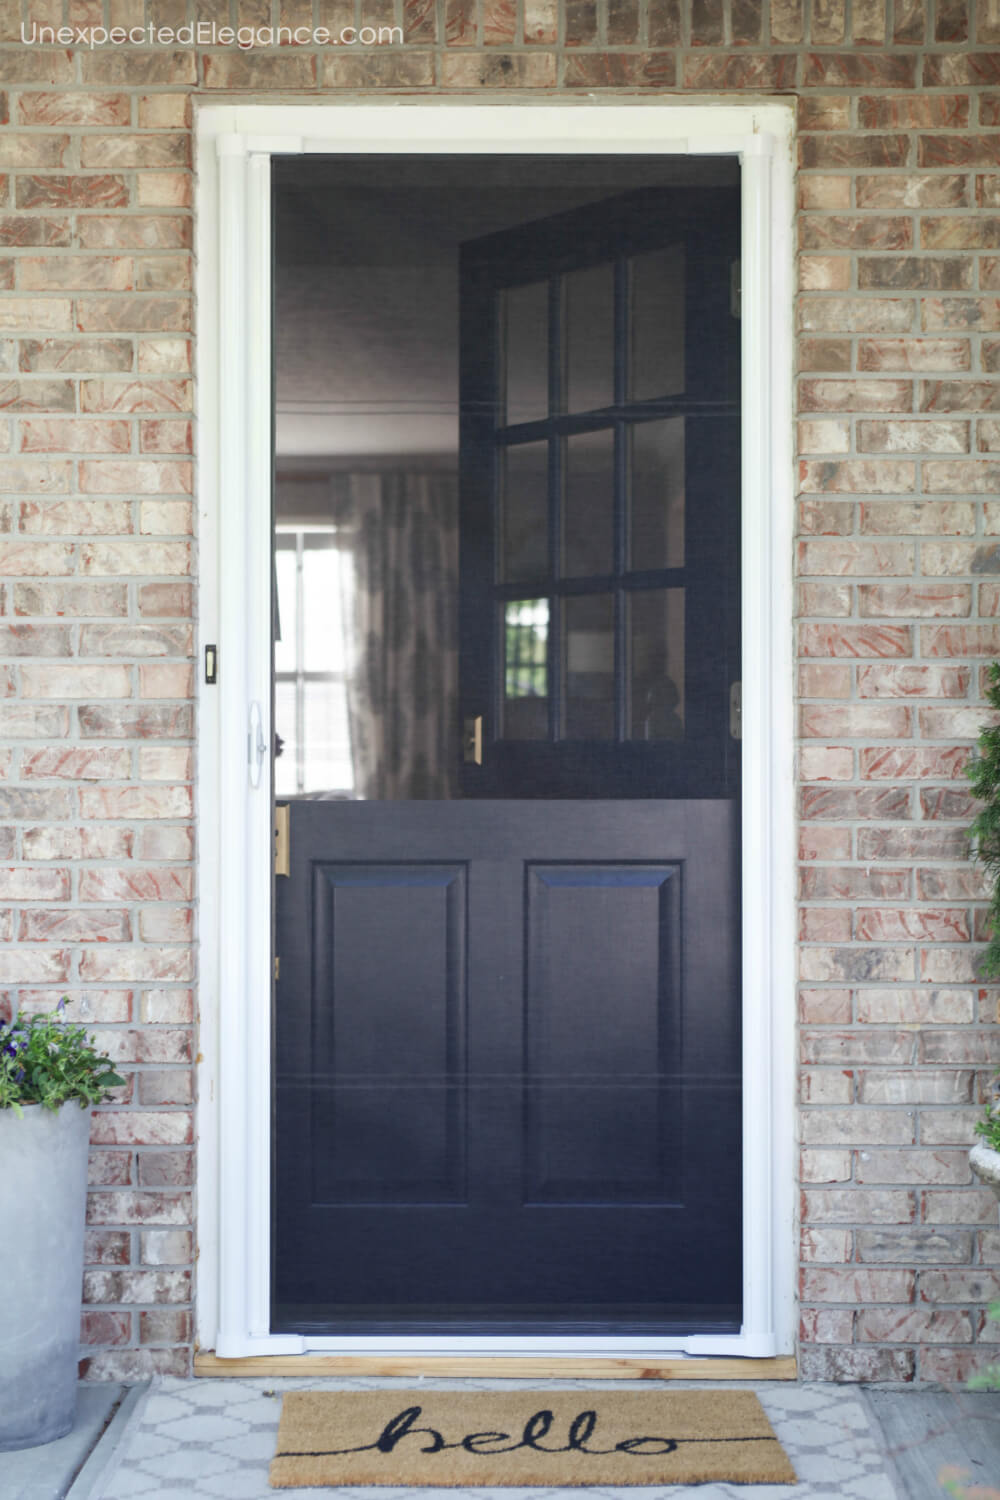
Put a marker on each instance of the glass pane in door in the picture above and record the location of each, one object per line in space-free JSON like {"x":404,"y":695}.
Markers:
{"x":526,"y":670}
{"x":525,"y":321}
{"x":589,"y":504}
{"x":589,"y":667}
{"x":589,"y":324}
{"x":656,"y":650}
{"x":656,"y":318}
{"x":525,"y":512}
{"x":656,"y":494}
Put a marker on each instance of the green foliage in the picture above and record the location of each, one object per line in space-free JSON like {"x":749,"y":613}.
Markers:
{"x":984,"y":774}
{"x":988,"y":1379}
{"x":44,"y":1060}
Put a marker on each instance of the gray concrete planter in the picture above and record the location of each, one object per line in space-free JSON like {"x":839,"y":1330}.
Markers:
{"x":985,"y":1162}
{"x":43,"y":1197}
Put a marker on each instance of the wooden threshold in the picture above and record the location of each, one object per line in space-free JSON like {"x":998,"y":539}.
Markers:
{"x":782,"y":1367}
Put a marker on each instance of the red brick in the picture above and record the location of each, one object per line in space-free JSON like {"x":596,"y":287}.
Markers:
{"x":856,"y":1126}
{"x":892,"y":763}
{"x":106,"y":1247}
{"x":843,"y":882}
{"x":913,"y":354}
{"x":954,"y":1366}
{"x":958,"y":150}
{"x":913,"y":112}
{"x":824,"y":924}
{"x":915,"y":272}
{"x":915,"y":190}
{"x":859,"y":70}
{"x":105,"y":1327}
{"x":142,"y":1127}
{"x":740,"y":70}
{"x":836,"y":803}
{"x":857,"y":477}
{"x":818,"y":842}
{"x":856,"y":395}
{"x":914,"y":1246}
{"x":869,"y":559}
{"x":59,"y":190}
{"x":976,"y":313}
{"x":876,"y":600}
{"x":972,"y":1285}
{"x":858,"y":1206}
{"x":166,"y":1169}
{"x":868,"y":231}
{"x":912,"y":1325}
{"x":825,"y":1007}
{"x":134,"y":232}
{"x":136,"y":1286}
{"x":854,"y":1363}
{"x":855,"y":640}
{"x":836,"y":150}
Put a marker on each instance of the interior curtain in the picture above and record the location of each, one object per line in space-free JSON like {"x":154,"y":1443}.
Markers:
{"x":402,"y":682}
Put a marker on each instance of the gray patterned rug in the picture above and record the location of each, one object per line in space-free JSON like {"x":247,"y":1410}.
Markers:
{"x":215,"y":1439}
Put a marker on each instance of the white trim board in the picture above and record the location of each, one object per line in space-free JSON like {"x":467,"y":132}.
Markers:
{"x":235,"y":143}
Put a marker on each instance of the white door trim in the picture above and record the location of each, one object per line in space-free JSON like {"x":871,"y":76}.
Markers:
{"x":235,"y":143}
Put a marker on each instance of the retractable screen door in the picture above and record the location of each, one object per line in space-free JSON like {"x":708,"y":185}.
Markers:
{"x":507,"y":1012}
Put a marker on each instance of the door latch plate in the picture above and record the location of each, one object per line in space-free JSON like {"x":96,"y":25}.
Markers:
{"x":736,"y":711}
{"x":282,"y":840}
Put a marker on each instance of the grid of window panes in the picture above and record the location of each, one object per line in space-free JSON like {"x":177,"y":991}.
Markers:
{"x":311,"y":721}
{"x":592,"y":487}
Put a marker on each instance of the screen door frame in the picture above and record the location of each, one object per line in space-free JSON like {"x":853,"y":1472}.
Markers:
{"x":235,"y":146}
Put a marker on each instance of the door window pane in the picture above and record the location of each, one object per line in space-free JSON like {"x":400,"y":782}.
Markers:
{"x":525,"y":312}
{"x":656,"y":649}
{"x":525,"y":512}
{"x":589,"y":504}
{"x":526,"y":672}
{"x":589,"y":667}
{"x":656,"y":322}
{"x":656,"y":487}
{"x":589,"y":322}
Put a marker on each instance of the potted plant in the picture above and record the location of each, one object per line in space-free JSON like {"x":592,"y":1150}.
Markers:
{"x":984,"y":775}
{"x":50,"y":1075}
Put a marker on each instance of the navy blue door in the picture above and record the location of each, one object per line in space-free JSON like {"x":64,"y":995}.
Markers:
{"x":507,"y":1040}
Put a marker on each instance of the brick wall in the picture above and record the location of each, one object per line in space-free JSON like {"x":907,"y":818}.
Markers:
{"x":899,"y":594}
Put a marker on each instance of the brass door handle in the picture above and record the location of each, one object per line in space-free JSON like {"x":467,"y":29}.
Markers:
{"x":472,"y":741}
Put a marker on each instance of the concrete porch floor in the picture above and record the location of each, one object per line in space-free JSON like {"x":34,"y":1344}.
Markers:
{"x":175,"y":1439}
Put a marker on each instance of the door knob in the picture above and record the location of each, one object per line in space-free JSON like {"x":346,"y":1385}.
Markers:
{"x":256,"y":745}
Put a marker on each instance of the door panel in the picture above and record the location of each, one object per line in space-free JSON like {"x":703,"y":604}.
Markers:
{"x":602,"y":1117}
{"x":387,"y":1068}
{"x":557,"y":1152}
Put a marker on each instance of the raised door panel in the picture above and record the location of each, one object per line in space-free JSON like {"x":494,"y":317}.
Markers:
{"x":388,"y":1024}
{"x":602,"y":1039}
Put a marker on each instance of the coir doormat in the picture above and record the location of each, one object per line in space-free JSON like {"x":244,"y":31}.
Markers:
{"x":499,"y":1438}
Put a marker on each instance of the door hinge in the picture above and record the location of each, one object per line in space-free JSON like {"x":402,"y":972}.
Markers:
{"x":736,"y":711}
{"x":472,"y":741}
{"x":282,"y":840}
{"x":736,"y":288}
{"x":277,"y":968}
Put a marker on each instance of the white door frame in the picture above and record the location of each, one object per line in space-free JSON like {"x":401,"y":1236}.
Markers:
{"x":235,"y":143}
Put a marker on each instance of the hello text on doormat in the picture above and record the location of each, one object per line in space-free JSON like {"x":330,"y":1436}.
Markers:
{"x":513,"y":1438}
